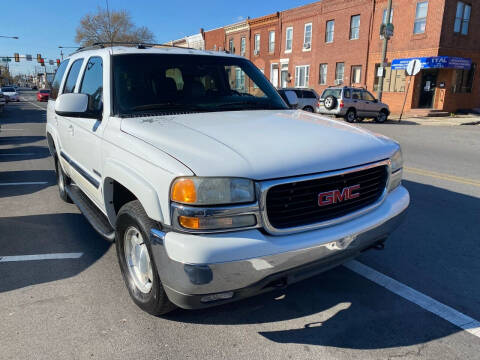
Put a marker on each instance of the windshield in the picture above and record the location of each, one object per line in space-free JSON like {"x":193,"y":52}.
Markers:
{"x":164,"y":83}
{"x":8,"y":89}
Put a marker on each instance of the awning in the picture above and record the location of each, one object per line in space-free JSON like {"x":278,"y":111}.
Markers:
{"x":435,"y":62}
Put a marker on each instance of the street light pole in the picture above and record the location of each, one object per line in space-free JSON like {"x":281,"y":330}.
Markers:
{"x":9,"y":37}
{"x":386,"y":37}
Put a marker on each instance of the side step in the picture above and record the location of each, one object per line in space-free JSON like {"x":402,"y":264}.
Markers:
{"x":95,"y":217}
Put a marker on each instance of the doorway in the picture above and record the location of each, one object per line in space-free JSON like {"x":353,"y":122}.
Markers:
{"x":284,"y":75}
{"x":427,"y":89}
{"x":274,"y":75}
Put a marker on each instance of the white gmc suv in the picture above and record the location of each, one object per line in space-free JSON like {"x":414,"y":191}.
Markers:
{"x":212,"y":188}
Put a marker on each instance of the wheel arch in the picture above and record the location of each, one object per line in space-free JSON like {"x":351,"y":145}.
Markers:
{"x":121,"y":185}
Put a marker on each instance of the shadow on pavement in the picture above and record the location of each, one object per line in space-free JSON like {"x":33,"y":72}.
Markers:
{"x":23,"y":153}
{"x":6,"y":177}
{"x":44,"y":234}
{"x":18,"y":140}
{"x":435,"y":251}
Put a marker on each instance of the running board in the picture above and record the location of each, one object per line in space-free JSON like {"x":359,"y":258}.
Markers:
{"x":95,"y":217}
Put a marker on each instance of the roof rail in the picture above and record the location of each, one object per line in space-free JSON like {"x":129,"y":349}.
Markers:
{"x":138,"y":45}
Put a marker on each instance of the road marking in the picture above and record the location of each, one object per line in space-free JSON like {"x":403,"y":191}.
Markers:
{"x":41,"y":257}
{"x":38,"y":106}
{"x":442,"y":176}
{"x":25,"y":183}
{"x":453,"y":316}
{"x":18,"y":154}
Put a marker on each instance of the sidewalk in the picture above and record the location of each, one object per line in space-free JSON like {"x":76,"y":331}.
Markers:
{"x":470,"y":119}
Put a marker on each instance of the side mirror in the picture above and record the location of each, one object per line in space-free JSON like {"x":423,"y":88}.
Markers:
{"x":75,"y":105}
{"x":375,"y":100}
{"x":292,"y":99}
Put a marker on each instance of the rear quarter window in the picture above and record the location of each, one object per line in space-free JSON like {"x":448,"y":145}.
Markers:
{"x":334,"y":92}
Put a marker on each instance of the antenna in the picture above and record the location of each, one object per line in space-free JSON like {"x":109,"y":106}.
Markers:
{"x":109,"y":27}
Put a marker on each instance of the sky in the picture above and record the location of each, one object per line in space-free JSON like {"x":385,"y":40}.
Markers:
{"x":43,"y":26}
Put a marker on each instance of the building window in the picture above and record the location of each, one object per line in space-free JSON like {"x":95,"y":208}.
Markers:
{"x":288,"y":39}
{"x":307,"y":37}
{"x":271,"y":41}
{"x":329,"y":30}
{"x":242,"y":46}
{"x":339,"y":73}
{"x":463,"y":80}
{"x":356,"y":74}
{"x":420,"y":17}
{"x":393,"y":80}
{"x":230,"y":46}
{"x":322,"y":74}
{"x":301,"y":75}
{"x":257,"y":44}
{"x":355,"y":27}
{"x":462,"y":18}
{"x":239,"y":80}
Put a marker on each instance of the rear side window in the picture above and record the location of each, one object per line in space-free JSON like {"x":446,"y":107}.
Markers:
{"x":57,"y":80}
{"x":357,"y":94}
{"x":72,"y":76}
{"x":299,"y":93}
{"x":309,"y":95}
{"x":92,"y":82}
{"x":346,"y":94}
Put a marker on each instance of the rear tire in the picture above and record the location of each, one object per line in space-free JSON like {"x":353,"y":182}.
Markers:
{"x":308,"y":109}
{"x":132,"y":241}
{"x":351,"y":116}
{"x":382,"y":117}
{"x":62,"y":181}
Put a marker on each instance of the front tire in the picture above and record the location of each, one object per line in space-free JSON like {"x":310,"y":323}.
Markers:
{"x":134,"y":253}
{"x":381,"y":117}
{"x":62,"y":181}
{"x":351,"y":116}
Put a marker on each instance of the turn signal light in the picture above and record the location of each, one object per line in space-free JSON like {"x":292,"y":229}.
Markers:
{"x":183,"y":191}
{"x":189,"y":222}
{"x":341,"y":104}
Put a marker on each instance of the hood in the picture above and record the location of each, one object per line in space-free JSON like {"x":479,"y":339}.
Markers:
{"x":260,"y":145}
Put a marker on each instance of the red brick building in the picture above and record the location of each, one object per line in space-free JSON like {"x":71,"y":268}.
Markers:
{"x":334,"y":42}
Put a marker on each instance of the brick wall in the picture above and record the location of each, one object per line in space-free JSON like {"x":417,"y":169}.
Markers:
{"x":215,"y":39}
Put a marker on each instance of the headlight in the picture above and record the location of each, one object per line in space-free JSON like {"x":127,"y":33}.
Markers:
{"x":396,"y":170}
{"x":212,"y":191}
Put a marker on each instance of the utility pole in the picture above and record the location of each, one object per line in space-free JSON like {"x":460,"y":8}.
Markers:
{"x":386,"y":37}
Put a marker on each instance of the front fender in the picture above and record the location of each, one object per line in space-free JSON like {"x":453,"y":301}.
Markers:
{"x":136,"y":184}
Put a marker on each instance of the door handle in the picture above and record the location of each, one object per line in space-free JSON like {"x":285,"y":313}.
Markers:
{"x":70,"y":129}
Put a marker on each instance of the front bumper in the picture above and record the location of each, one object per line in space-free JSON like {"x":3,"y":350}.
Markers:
{"x":250,"y":262}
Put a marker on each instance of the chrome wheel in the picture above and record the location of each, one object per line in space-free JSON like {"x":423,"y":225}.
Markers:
{"x":328,"y":103}
{"x":138,"y":259}
{"x":382,"y":117}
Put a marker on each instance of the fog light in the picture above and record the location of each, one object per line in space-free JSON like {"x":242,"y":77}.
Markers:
{"x":215,"y":297}
{"x":217,"y":223}
{"x":395,"y":180}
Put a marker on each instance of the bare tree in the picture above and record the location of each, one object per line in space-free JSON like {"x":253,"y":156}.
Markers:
{"x":104,"y":26}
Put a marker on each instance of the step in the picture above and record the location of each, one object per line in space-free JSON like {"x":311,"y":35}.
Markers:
{"x":427,"y":113}
{"x":95,"y":217}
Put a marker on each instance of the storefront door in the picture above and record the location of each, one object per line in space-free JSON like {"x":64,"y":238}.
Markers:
{"x":427,"y":90}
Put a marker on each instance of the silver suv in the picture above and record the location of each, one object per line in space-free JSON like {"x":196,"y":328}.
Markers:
{"x":354,"y":104}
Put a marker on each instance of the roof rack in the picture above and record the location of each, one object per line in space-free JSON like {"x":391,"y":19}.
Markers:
{"x":138,"y":45}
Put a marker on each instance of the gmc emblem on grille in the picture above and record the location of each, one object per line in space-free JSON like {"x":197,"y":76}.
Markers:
{"x":337,"y":196}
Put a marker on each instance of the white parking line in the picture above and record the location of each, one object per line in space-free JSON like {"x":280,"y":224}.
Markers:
{"x":41,"y":257}
{"x":453,"y":316}
{"x":24,"y":183}
{"x":38,"y":106}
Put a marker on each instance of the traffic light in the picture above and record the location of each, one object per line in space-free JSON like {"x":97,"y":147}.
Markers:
{"x":58,"y":62}
{"x":39,"y":58}
{"x":42,"y":62}
{"x":17,"y":57}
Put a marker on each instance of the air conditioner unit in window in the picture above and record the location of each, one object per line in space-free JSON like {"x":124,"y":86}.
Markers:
{"x":306,"y":46}
{"x":338,"y":81}
{"x":256,"y":52}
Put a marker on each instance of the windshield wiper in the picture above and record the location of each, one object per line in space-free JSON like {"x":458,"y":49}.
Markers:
{"x":167,"y":106}
{"x":246,"y":104}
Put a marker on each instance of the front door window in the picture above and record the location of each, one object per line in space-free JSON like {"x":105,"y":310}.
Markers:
{"x":427,"y":90}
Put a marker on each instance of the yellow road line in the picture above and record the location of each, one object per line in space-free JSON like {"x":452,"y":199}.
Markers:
{"x":442,"y":176}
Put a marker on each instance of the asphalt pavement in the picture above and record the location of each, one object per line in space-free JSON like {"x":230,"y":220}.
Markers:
{"x":402,"y":302}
